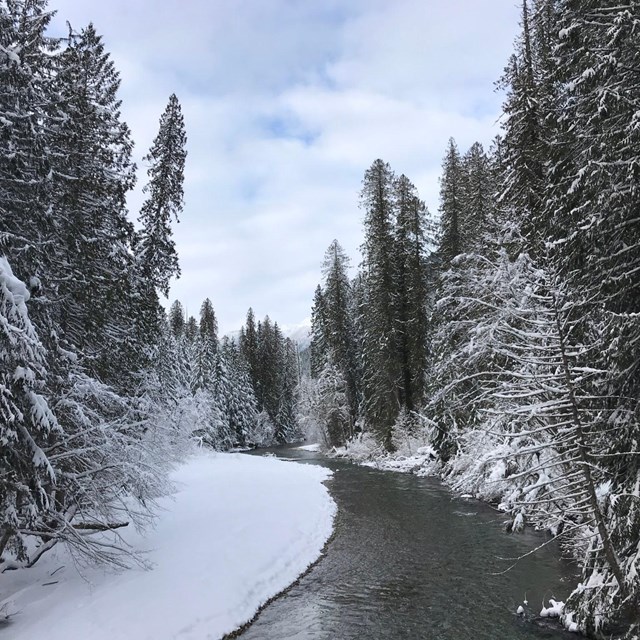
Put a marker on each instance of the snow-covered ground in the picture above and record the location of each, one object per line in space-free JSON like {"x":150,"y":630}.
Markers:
{"x":238,"y":530}
{"x":309,"y":447}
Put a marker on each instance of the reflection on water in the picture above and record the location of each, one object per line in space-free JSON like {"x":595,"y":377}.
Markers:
{"x":410,"y":560}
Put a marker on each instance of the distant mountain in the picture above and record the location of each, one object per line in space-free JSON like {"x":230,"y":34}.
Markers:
{"x":300,"y":333}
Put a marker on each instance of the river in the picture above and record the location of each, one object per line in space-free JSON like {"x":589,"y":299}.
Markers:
{"x":411,"y":560}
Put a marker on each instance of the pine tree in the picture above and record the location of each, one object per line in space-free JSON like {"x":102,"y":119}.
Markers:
{"x":91,"y":177}
{"x":157,"y":257}
{"x":27,"y":477}
{"x":338,"y":327}
{"x":594,"y":188}
{"x":27,"y":105}
{"x":319,"y":345}
{"x":241,"y":402}
{"x":206,"y":348}
{"x":76,"y":455}
{"x":537,"y":398}
{"x":176,"y":319}
{"x":451,"y":203}
{"x":411,"y":249}
{"x":191,"y":329}
{"x":592,"y":201}
{"x":529,"y":113}
{"x":286,"y":419}
{"x":381,"y":370}
{"x":249,"y":347}
{"x":330,"y":407}
{"x":478,"y":195}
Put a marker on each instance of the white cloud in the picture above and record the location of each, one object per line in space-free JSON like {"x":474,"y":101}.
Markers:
{"x":286,"y":104}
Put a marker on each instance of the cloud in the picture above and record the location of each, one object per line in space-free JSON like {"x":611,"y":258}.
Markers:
{"x":286,"y":104}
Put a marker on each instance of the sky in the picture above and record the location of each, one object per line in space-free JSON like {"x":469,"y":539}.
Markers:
{"x":286,"y":104}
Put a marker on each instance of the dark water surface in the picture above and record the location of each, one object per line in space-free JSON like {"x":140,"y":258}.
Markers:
{"x":411,"y":560}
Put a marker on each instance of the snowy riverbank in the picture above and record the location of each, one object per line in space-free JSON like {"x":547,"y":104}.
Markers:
{"x":238,"y":530}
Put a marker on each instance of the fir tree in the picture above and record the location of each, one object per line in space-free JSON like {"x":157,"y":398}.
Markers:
{"x":338,"y":325}
{"x":529,"y":111}
{"x":318,"y":346}
{"x":381,"y":370}
{"x":286,"y":418}
{"x":91,"y":177}
{"x":27,"y":106}
{"x":176,"y":319}
{"x":191,"y":329}
{"x":249,"y":346}
{"x":27,"y":424}
{"x":241,"y":402}
{"x":412,"y":292}
{"x":451,"y":203}
{"x":206,"y":348}
{"x":478,"y":194}
{"x":158,"y":260}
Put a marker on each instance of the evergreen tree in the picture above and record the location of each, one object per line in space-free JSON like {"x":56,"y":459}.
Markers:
{"x":91,"y":177}
{"x":191,"y":329}
{"x":412,"y":292}
{"x":451,"y":205}
{"x":331,"y":407}
{"x":241,"y":402}
{"x":286,"y":420}
{"x":338,"y":325}
{"x":249,"y":346}
{"x":594,"y":185}
{"x":206,"y":349}
{"x":529,"y":112}
{"x":318,"y":347}
{"x":477,"y":199}
{"x":27,"y":105}
{"x":176,"y":319}
{"x":157,"y":257}
{"x":27,"y":424}
{"x":592,"y":202}
{"x":381,"y":370}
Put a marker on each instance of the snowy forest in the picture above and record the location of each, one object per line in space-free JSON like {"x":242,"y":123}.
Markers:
{"x":100,"y":389}
{"x":500,"y":338}
{"x":495,"y":342}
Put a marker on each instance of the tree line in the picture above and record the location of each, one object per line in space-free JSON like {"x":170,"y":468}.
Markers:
{"x":237,"y":392}
{"x":101,"y":390}
{"x":504,"y":333}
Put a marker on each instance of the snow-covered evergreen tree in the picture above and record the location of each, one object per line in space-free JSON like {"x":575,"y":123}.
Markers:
{"x":92,"y":174}
{"x":411,"y":316}
{"x":27,"y":424}
{"x":155,"y":248}
{"x":336,"y":328}
{"x":319,"y":348}
{"x":451,"y":205}
{"x":205,"y":349}
{"x":478,"y":200}
{"x":381,"y":369}
{"x":241,"y":403}
{"x":176,"y":319}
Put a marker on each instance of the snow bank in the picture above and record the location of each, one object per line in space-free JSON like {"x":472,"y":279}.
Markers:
{"x":309,"y":447}
{"x":238,"y":530}
{"x":414,"y":455}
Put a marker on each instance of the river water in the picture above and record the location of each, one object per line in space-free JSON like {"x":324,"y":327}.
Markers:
{"x":411,"y":560}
